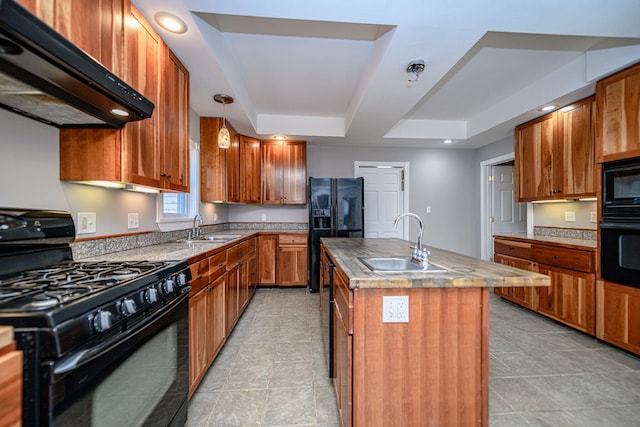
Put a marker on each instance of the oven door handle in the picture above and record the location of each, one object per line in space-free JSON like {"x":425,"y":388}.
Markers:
{"x":620,"y":226}
{"x":75,"y":360}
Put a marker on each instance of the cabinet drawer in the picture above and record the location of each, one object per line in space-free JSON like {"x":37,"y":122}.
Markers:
{"x":573,"y":259}
{"x":217,"y":265}
{"x":516,"y":249}
{"x":199,"y":275}
{"x":292,"y":239}
{"x":236,"y":253}
{"x":251,"y":245}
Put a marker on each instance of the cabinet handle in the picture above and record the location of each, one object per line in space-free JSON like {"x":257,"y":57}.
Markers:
{"x":199,"y":276}
{"x":220,"y":265}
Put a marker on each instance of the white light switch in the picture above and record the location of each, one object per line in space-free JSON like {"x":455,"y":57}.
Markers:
{"x":263,"y":216}
{"x":86,"y":222}
{"x":395,"y":309}
{"x":594,"y":217}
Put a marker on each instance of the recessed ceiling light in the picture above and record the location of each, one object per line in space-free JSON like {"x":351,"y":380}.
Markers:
{"x":547,"y":108}
{"x":170,"y":22}
{"x":448,"y":141}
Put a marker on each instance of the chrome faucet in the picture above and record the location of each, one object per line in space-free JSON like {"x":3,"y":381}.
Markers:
{"x":420,"y":254}
{"x":196,"y":231}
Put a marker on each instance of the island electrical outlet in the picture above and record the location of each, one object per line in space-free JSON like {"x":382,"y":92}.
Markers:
{"x":395,"y":309}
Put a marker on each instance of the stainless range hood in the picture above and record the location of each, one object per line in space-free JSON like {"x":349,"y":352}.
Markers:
{"x":45,"y":77}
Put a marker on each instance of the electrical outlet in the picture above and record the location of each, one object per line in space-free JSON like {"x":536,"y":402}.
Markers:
{"x":570,"y":217}
{"x":133,"y":220}
{"x":86,"y":222}
{"x":594,"y":216}
{"x":428,"y":209}
{"x":263,"y":216}
{"x":395,"y":309}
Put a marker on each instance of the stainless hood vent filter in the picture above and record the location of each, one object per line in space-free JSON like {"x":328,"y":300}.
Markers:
{"x":45,"y":77}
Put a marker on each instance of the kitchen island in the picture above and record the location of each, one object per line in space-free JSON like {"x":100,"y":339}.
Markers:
{"x":432,"y":370}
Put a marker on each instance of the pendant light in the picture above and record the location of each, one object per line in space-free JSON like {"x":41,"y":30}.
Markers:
{"x":224,"y":138}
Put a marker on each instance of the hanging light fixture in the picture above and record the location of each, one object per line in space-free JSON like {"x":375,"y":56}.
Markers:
{"x":224,"y":138}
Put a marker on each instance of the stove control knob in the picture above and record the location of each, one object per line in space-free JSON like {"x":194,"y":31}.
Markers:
{"x":127,"y":307}
{"x":182,"y":279}
{"x":168,"y":286}
{"x":102,"y":320}
{"x":150,"y":295}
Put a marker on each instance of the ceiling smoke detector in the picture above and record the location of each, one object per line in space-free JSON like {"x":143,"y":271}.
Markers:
{"x":415,"y":67}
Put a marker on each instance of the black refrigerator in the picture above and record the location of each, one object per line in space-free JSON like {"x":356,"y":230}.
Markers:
{"x":336,"y":209}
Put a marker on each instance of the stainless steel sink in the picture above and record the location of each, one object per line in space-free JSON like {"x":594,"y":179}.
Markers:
{"x":211,"y":238}
{"x":398,"y":264}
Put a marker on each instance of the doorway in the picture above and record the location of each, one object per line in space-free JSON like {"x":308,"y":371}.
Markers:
{"x":500,"y":213}
{"x":386,"y":195}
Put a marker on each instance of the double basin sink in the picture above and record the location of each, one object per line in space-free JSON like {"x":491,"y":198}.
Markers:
{"x":398,"y":264}
{"x":212,"y":238}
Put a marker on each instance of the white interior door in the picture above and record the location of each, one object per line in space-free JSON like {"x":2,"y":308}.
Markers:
{"x":508,"y":215}
{"x":385,"y":190}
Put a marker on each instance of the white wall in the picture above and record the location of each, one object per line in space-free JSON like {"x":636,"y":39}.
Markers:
{"x":441,"y":178}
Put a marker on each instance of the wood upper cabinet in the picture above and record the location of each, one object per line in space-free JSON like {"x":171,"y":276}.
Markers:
{"x":233,"y":167}
{"x":43,"y":9}
{"x":151,"y":152}
{"x":576,"y":126}
{"x":555,"y":154}
{"x":213,"y":184}
{"x":174,"y":126}
{"x":618,"y":112}
{"x":284,"y":172}
{"x":249,"y":170}
{"x":267,"y":250}
{"x":536,"y":159}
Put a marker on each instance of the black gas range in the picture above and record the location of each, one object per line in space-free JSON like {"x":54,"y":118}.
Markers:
{"x":82,"y":324}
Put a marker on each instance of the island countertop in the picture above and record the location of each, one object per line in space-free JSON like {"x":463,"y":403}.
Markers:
{"x":462,"y":271}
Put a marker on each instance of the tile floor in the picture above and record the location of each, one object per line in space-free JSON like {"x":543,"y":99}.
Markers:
{"x":272,"y":372}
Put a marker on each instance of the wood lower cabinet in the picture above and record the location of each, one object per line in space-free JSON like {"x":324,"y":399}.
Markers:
{"x":570,"y":297}
{"x":618,"y":135}
{"x":240,"y":260}
{"x":207,"y":331}
{"x":618,"y":315}
{"x":292,"y":260}
{"x":267,"y":254}
{"x":11,"y":368}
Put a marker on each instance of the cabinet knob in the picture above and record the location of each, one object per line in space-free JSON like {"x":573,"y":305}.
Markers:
{"x":199,"y":276}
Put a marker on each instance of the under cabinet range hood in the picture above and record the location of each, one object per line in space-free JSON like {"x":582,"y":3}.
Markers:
{"x":45,"y":77}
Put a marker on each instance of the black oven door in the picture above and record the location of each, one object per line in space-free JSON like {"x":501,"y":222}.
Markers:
{"x":620,"y":252}
{"x":139,"y":378}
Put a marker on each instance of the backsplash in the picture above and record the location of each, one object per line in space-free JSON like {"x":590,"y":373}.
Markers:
{"x":97,"y":247}
{"x":569,"y":233}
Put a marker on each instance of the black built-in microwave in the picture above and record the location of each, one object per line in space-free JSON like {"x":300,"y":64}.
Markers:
{"x":620,"y":224}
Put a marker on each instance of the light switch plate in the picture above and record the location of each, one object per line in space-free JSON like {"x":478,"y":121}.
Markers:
{"x":86,"y":222}
{"x":570,"y":217}
{"x":133,"y":220}
{"x":594,"y":216}
{"x":263,"y":216}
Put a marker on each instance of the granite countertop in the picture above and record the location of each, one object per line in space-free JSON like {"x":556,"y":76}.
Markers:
{"x":462,"y":271}
{"x":585,"y":244}
{"x":176,"y":251}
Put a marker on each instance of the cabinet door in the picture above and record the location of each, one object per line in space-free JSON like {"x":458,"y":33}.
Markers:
{"x":522,"y":295}
{"x":96,"y":27}
{"x":249,"y":170}
{"x":295,"y":173}
{"x":213,"y":184}
{"x":536,"y":159}
{"x":343,"y":360}
{"x":252,"y":267}
{"x":233,"y":167}
{"x":143,"y":48}
{"x":174,"y":136}
{"x":267,"y":249}
{"x":271,"y":153}
{"x":43,"y":9}
{"x":619,"y":315}
{"x":292,"y":265}
{"x":216,"y":315}
{"x":231,"y":297}
{"x":198,"y":338}
{"x":618,"y":135}
{"x":576,"y":128}
{"x":570,"y":298}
